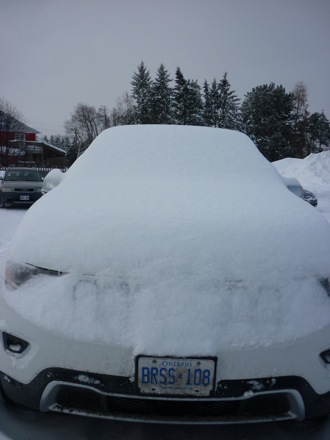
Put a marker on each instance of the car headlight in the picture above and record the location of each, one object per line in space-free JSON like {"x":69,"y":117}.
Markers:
{"x":17,"y":274}
{"x":6,"y":189}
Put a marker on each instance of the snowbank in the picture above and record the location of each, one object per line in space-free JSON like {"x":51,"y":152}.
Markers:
{"x":313,"y":173}
{"x":313,"y":170}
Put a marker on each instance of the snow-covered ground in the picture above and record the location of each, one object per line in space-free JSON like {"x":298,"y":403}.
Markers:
{"x":314,"y":174}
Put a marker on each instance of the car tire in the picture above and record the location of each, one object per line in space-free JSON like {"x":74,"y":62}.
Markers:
{"x":2,"y":204}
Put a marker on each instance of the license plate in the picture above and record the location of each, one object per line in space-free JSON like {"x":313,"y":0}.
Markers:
{"x":24,"y":198}
{"x":181,"y":376}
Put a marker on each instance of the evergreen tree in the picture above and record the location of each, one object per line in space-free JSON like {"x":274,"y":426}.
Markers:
{"x":141,"y":92}
{"x":187,"y":101}
{"x":59,"y":141}
{"x":161,"y":97}
{"x":207,"y":108}
{"x":195,"y":104}
{"x":221,"y":105}
{"x":267,"y":119}
{"x":318,"y":132}
{"x":228,"y":106}
{"x":180,"y":98}
{"x":211,"y":104}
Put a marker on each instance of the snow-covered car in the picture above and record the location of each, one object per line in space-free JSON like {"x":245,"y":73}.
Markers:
{"x":295,"y":187}
{"x":141,"y":293}
{"x":52,"y":180}
{"x":20,"y":186}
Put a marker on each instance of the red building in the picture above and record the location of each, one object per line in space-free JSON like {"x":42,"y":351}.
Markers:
{"x":21,"y":145}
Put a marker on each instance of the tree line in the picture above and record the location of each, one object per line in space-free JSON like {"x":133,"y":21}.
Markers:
{"x":276,"y":120}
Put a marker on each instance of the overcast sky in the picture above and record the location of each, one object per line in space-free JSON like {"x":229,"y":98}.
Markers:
{"x":55,"y":54}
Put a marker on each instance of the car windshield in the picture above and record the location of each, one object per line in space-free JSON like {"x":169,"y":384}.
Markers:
{"x":23,"y":175}
{"x":296,"y":190}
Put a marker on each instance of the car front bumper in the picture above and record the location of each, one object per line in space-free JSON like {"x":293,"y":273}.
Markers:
{"x":20,"y":197}
{"x":113,"y":397}
{"x":50,"y":372}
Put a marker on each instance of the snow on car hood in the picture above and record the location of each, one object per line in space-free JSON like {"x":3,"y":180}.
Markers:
{"x":167,"y":221}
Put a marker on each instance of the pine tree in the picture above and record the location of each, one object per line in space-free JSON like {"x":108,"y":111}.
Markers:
{"x":228,"y":106}
{"x":215,"y":104}
{"x":211,"y":104}
{"x":187,"y":101}
{"x":267,"y":119}
{"x":194,"y":104}
{"x":141,"y":93}
{"x":180,"y":98}
{"x":207,"y":107}
{"x":161,"y":97}
{"x":318,"y":132}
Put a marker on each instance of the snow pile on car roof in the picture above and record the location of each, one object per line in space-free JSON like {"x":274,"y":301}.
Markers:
{"x":174,"y":234}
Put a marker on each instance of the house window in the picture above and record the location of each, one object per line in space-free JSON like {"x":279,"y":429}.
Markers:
{"x":20,"y":140}
{"x":20,"y":137}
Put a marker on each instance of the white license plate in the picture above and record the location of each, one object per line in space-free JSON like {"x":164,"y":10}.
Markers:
{"x":24,"y":198}
{"x":181,"y":376}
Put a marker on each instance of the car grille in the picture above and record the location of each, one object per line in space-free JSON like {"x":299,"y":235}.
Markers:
{"x":24,"y":189}
{"x":80,"y":400}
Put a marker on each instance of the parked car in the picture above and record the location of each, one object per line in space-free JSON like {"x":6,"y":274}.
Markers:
{"x":136,"y":291}
{"x":20,"y":186}
{"x":295,"y":187}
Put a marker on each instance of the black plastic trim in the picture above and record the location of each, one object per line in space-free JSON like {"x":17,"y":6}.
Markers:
{"x":29,"y":395}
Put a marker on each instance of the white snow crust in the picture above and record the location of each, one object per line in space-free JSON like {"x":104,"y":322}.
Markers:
{"x":175,"y":240}
{"x":313,"y":173}
{"x":52,"y":179}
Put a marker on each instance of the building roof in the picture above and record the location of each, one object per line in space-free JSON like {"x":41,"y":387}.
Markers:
{"x":23,"y":128}
{"x":11,"y":124}
{"x":42,"y":144}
